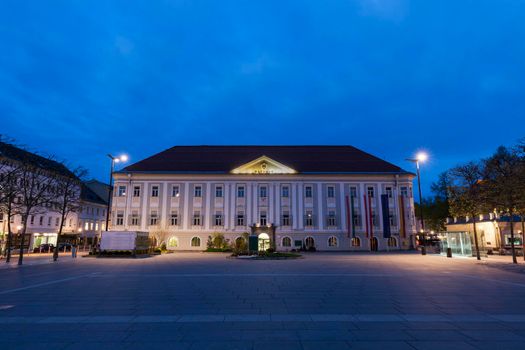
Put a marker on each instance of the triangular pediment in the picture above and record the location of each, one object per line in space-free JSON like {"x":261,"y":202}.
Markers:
{"x":263,"y":165}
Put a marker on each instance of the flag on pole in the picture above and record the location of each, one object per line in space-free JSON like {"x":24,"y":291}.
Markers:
{"x":347,"y":216}
{"x":386,"y":216}
{"x":367,"y":221}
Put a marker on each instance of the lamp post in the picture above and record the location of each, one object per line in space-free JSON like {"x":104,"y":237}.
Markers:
{"x":420,"y":158}
{"x":123,"y":158}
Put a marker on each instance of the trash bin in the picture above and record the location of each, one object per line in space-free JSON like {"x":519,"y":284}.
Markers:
{"x":423,"y":250}
{"x":449,"y":252}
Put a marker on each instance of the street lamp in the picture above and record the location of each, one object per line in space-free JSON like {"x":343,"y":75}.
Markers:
{"x":421,"y":157}
{"x":122,"y":158}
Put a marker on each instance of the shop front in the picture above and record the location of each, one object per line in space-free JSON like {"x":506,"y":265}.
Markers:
{"x":459,"y":242}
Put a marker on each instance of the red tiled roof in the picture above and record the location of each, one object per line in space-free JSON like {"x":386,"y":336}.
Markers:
{"x":303,"y":159}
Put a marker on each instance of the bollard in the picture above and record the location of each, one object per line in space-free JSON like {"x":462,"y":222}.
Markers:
{"x":423,"y":250}
{"x":449,"y":252}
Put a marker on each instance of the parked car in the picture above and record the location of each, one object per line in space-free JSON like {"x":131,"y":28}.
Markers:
{"x":44,"y":248}
{"x":64,"y":247}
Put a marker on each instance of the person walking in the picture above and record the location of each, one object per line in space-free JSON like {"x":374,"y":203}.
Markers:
{"x":74,"y":251}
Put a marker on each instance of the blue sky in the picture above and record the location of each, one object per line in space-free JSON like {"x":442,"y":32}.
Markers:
{"x":80,"y":79}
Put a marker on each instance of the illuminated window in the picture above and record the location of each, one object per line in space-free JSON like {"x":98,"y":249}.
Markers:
{"x":356,"y":242}
{"x":309,"y":218}
{"x":287,"y":242}
{"x":121,"y":191}
{"x":173,"y":242}
{"x":175,"y":192}
{"x":332,"y":241}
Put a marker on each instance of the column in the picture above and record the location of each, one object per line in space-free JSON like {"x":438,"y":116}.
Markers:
{"x":247,"y":204}
{"x":233,"y":210}
{"x":226,"y":206}
{"x":144,"y":217}
{"x":294,"y":207}
{"x":277,"y":196}
{"x":270,"y":203}
{"x":207,"y":207}
{"x":186,"y":216}
{"x":300,"y":205}
{"x":320,"y":205}
{"x":342,"y":205}
{"x":163,"y":212}
{"x":255,"y":200}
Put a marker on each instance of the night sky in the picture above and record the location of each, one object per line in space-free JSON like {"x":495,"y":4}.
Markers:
{"x":80,"y":79}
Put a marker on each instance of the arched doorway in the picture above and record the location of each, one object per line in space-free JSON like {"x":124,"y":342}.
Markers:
{"x":309,"y":243}
{"x":373,"y":244}
{"x":264,"y":241}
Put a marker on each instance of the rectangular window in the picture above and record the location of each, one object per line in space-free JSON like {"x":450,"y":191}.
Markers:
{"x":308,"y":191}
{"x":197,"y":218}
{"x":353,"y":192}
{"x":404,"y":191}
{"x":218,"y":192}
{"x":31,"y":221}
{"x":197,"y":191}
{"x":331,"y":218}
{"x":370,"y":192}
{"x":86,"y":225}
{"x":374,"y":218}
{"x":392,"y":218}
{"x":41,"y":221}
{"x":263,"y":192}
{"x":388,"y":191}
{"x":121,"y":191}
{"x":153,"y":219}
{"x":70,"y":222}
{"x":120,"y":219}
{"x":136,"y":191}
{"x":155,"y":191}
{"x":331,"y":192}
{"x":357,"y":220}
{"x":262,"y":218}
{"x":218,"y":219}
{"x":285,"y":221}
{"x":240,"y":192}
{"x":309,"y":218}
{"x":240,"y":219}
{"x":174,"y":219}
{"x":285,"y":192}
{"x":57,"y":221}
{"x":135,"y":219}
{"x":49,"y":221}
{"x":175,"y":192}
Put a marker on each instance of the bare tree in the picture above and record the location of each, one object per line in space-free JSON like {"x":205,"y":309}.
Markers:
{"x":36,"y":190}
{"x":505,"y":182}
{"x":66,"y":198}
{"x":9,"y":193}
{"x":466,"y":194}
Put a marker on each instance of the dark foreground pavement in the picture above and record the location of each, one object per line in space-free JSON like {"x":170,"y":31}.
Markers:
{"x":206,"y":301}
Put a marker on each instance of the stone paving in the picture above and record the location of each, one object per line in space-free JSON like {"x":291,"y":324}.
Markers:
{"x":208,"y":301}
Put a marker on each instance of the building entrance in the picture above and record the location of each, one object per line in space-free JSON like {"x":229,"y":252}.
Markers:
{"x":264,"y":242}
{"x":373,"y":244}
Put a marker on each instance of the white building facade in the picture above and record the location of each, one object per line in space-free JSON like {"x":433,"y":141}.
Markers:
{"x":295,"y":196}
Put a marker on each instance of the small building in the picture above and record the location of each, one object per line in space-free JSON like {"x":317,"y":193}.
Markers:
{"x":493,"y":232}
{"x":91,"y":217}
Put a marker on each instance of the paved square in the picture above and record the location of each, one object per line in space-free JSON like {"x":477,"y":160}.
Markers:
{"x":207,"y":301}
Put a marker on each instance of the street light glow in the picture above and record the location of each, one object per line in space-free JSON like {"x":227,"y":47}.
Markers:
{"x":422,"y":156}
{"x":123,"y":158}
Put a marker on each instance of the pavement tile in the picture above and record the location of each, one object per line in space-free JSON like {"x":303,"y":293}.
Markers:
{"x":440,"y":345}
